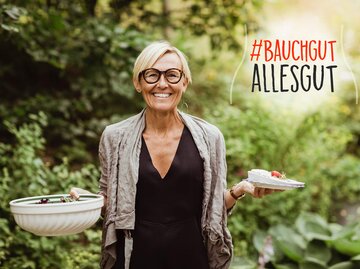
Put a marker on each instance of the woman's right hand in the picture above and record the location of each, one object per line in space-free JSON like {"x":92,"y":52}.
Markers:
{"x":75,"y":192}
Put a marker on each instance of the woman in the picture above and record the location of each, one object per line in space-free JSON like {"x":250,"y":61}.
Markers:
{"x":164,"y":177}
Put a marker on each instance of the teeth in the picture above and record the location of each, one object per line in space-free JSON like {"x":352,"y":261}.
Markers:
{"x":162,"y":95}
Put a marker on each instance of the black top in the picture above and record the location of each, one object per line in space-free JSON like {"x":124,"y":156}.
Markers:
{"x":167,"y":231}
{"x":179,"y":194}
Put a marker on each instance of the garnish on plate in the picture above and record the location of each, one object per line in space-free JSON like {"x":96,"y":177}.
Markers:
{"x":278,"y":174}
{"x":63,"y":199}
{"x":43,"y":201}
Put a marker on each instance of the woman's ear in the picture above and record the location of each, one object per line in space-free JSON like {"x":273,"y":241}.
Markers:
{"x":185,"y":85}
{"x":137,"y":85}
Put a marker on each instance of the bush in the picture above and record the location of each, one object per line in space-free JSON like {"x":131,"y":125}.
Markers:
{"x":308,"y":148}
{"x":25,"y":173}
{"x":75,"y":67}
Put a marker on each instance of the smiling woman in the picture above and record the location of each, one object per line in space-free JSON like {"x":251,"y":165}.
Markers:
{"x":163,"y":84}
{"x":163,"y":176}
{"x":162,"y":76}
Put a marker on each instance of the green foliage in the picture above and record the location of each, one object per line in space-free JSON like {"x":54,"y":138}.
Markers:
{"x":73,"y":60}
{"x":312,"y":243}
{"x":74,"y":67}
{"x":307,"y":148}
{"x":212,"y":17}
{"x":220,"y":22}
{"x":25,"y":173}
{"x":346,"y":170}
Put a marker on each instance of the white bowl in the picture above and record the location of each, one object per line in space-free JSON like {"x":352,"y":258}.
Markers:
{"x":56,"y":218}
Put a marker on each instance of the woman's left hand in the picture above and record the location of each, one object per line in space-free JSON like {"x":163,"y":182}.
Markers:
{"x":257,"y":192}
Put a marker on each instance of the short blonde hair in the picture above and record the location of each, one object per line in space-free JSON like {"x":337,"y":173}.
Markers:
{"x":153,"y":52}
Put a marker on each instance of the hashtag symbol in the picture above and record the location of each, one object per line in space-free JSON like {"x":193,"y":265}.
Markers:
{"x":256,"y":49}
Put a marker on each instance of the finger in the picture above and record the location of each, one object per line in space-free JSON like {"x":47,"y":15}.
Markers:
{"x":261,"y":192}
{"x":256,"y":192}
{"x":248,"y":187}
{"x":268,"y":191}
{"x":73,"y":193}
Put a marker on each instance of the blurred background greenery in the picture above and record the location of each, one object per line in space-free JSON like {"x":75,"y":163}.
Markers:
{"x":65,"y":73}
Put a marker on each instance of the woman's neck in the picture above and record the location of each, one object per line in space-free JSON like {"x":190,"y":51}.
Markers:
{"x":162,"y":123}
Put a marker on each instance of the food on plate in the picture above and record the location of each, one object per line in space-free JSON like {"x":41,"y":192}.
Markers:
{"x":62,"y":199}
{"x":273,"y":180}
{"x":278,"y":174}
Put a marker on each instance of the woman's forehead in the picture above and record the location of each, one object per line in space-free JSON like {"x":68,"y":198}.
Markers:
{"x":168,"y":60}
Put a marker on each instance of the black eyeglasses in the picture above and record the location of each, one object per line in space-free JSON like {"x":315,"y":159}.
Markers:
{"x":152,"y":75}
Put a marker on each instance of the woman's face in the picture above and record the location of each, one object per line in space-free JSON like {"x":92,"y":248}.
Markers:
{"x":163,"y":96}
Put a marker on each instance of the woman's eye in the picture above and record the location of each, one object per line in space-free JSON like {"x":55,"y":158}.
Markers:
{"x":174,"y":75}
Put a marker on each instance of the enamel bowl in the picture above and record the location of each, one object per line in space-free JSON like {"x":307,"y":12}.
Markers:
{"x":56,"y":218}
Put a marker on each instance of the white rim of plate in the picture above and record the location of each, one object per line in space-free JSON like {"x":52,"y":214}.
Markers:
{"x":28,"y":205}
{"x":31,"y":201}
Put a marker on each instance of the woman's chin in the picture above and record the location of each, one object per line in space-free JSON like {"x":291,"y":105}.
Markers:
{"x":162,"y":108}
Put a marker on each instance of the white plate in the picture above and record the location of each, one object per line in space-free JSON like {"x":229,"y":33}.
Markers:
{"x":55,"y":218}
{"x":275,"y":186}
{"x":264,"y":179}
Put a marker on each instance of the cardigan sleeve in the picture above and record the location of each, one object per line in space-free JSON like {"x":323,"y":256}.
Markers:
{"x":219,"y":246}
{"x":222,"y":169}
{"x":221,"y":156}
{"x":104,"y":158}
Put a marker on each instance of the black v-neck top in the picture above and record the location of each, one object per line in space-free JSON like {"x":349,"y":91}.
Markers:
{"x":179,"y":194}
{"x":167,"y":231}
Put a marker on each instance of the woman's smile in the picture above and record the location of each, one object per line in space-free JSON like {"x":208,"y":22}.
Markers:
{"x":162,"y":95}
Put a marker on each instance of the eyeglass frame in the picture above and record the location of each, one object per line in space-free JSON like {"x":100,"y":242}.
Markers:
{"x":142,"y":73}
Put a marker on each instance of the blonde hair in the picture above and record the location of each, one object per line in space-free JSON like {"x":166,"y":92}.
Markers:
{"x":153,"y":52}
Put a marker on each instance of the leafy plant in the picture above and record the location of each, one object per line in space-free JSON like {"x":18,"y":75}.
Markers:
{"x":23,"y":173}
{"x":306,"y":147}
{"x":311,"y":243}
{"x":75,"y":67}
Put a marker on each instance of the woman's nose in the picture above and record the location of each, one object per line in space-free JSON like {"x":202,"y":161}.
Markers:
{"x":162,"y":81}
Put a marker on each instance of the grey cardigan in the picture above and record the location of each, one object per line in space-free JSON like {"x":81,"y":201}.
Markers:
{"x":119,"y":152}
